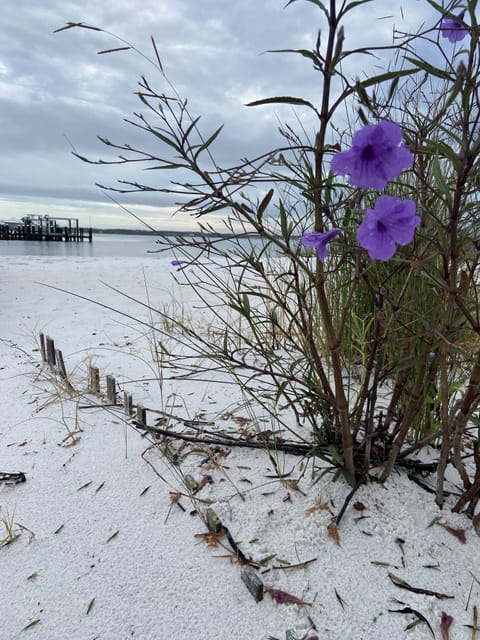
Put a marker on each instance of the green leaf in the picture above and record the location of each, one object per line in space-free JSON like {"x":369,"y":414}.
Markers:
{"x":206,"y":144}
{"x":281,"y":100}
{"x":246,"y":306}
{"x":90,"y":605}
{"x":190,"y":127}
{"x":306,"y":53}
{"x":114,"y":535}
{"x":383,"y":77}
{"x":352,"y":5}
{"x":319,"y":4}
{"x":280,"y":389}
{"x":439,"y":179}
{"x":425,"y":66}
{"x":31,"y":624}
{"x":263,"y":205}
{"x":283,"y":220}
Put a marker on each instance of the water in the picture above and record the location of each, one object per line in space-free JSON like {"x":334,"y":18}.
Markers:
{"x":103,"y":245}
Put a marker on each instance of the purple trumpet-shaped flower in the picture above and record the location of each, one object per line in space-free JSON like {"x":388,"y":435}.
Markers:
{"x":319,"y":241}
{"x":453,"y":29}
{"x":392,"y":221}
{"x":377,"y":156}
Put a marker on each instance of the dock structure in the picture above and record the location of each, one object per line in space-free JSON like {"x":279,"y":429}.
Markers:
{"x":45,"y":228}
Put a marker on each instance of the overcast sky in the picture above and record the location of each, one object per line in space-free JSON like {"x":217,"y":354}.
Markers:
{"x":55,"y":91}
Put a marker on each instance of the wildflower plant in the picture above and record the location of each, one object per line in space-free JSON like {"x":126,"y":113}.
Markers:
{"x":348,"y":255}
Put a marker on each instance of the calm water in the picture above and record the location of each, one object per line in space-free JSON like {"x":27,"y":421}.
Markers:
{"x":103,"y":245}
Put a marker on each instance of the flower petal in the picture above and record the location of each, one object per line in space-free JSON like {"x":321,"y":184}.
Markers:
{"x":392,"y":221}
{"x":376,"y":156}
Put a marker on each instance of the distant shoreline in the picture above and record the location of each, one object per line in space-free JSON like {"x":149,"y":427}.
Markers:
{"x":146,"y":232}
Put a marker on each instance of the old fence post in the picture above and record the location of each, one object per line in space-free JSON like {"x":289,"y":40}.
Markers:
{"x":111,"y":390}
{"x":128,"y":403}
{"x":93,"y":380}
{"x":42,"y":347}
{"x":62,"y":370}
{"x":50,"y":344}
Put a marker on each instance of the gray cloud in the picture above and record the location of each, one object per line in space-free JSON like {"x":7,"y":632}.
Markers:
{"x":56,"y":91}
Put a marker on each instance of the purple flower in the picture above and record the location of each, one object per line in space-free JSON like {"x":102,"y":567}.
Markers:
{"x":178,"y":263}
{"x":319,"y":241}
{"x":452,"y":28}
{"x":391,"y":222}
{"x":377,"y":156}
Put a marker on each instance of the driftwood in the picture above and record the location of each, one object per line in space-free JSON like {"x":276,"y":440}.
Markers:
{"x":12,"y":478}
{"x":297,"y":449}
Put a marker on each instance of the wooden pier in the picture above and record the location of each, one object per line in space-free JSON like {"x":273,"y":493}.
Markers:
{"x":45,"y":228}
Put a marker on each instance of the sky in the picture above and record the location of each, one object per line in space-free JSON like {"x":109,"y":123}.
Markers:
{"x":57,"y":94}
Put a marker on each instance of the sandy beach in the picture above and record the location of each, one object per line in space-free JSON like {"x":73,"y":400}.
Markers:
{"x":108,"y":544}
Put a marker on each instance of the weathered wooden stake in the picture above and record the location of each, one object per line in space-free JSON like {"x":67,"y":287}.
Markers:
{"x":42,"y":347}
{"x":50,"y":344}
{"x":213,"y":521}
{"x":191,"y":483}
{"x":253,"y":582}
{"x":141,"y":415}
{"x":60,"y":364}
{"x":93,"y":379}
{"x":128,"y":403}
{"x":111,"y":389}
{"x":62,"y":370}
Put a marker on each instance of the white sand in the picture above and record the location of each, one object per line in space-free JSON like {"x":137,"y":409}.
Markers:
{"x":155,"y":579}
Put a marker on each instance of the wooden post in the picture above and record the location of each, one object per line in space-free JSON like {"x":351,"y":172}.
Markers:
{"x":111,"y":389}
{"x":60,"y":364}
{"x":93,"y":380}
{"x":42,"y":347}
{"x":128,"y":403}
{"x":50,"y":353}
{"x":62,"y":370}
{"x":191,"y":483}
{"x":141,"y":415}
{"x":253,"y":582}
{"x":213,"y":521}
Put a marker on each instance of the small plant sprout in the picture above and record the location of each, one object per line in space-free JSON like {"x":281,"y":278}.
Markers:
{"x":13,"y":529}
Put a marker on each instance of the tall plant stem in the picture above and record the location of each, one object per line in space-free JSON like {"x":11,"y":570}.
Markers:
{"x":410,"y":413}
{"x":446,"y":436}
{"x":468,"y":404}
{"x":341,"y":403}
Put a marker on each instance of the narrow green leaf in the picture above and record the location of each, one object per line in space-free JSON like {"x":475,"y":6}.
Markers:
{"x":31,"y":624}
{"x":281,"y":100}
{"x":306,"y":53}
{"x":208,"y":142}
{"x":113,"y":50}
{"x":319,"y":4}
{"x":440,"y":179}
{"x":114,"y":535}
{"x":425,"y":66}
{"x":352,"y":5}
{"x":263,"y":205}
{"x":168,"y":141}
{"x":283,"y":220}
{"x":90,"y":605}
{"x":187,"y":132}
{"x":393,"y":88}
{"x":100,"y":486}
